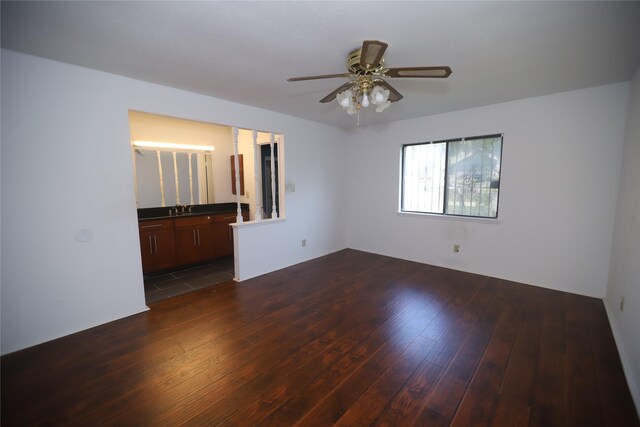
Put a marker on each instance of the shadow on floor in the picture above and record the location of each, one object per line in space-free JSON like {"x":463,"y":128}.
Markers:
{"x":160,"y":287}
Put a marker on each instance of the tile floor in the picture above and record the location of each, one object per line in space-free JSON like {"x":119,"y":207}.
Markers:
{"x":160,"y":287}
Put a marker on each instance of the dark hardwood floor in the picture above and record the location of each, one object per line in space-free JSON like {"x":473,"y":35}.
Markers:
{"x":348,"y":339}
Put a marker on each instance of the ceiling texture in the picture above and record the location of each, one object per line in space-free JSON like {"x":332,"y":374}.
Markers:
{"x":245,"y":51}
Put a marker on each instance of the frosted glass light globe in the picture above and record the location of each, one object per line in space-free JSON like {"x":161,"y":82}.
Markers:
{"x":383,"y":106}
{"x":344,"y":98}
{"x":379,"y":95}
{"x":365,"y":100}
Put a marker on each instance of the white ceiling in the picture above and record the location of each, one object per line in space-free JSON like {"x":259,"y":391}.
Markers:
{"x":245,"y":51}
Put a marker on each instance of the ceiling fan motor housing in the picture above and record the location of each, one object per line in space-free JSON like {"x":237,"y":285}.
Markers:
{"x":353,"y":64}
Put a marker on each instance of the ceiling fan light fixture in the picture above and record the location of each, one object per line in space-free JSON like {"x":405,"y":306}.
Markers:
{"x":344,"y":98}
{"x":363,"y":93}
{"x":379,"y":95}
{"x":381,"y":107}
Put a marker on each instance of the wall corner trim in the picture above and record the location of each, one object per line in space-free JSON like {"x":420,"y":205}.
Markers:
{"x":626,"y":365}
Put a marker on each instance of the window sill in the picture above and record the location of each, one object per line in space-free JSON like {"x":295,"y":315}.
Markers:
{"x":493,"y":221}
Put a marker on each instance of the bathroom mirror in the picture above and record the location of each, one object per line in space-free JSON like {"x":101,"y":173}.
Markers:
{"x":194,"y":183}
{"x":203,"y":177}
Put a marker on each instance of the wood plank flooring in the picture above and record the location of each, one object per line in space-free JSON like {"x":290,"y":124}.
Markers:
{"x":348,"y":339}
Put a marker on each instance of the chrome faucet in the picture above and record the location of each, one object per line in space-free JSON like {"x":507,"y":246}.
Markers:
{"x":179,"y":209}
{"x":183,"y":208}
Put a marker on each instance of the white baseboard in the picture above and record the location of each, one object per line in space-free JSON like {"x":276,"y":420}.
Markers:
{"x":626,"y":365}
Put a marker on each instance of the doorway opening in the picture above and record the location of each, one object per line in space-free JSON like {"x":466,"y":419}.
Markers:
{"x":185,"y":175}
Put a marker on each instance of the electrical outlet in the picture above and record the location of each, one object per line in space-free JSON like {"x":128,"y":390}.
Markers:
{"x":622,"y":303}
{"x":456,"y":248}
{"x":304,"y":243}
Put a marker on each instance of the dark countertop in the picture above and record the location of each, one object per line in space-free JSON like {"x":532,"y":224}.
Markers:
{"x":163,"y":212}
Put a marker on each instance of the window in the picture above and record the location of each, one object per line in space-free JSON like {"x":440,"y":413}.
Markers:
{"x":454,"y":177}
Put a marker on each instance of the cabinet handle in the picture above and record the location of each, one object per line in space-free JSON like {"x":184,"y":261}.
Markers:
{"x":198,"y":237}
{"x":229,"y":217}
{"x":194,"y":238}
{"x":150,"y":245}
{"x":155,"y":242}
{"x":151,"y":226}
{"x":229,"y":232}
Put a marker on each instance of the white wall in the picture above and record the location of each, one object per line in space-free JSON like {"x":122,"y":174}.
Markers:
{"x":313,"y":201}
{"x":624,"y":272}
{"x":67,"y":167}
{"x":560,"y":170}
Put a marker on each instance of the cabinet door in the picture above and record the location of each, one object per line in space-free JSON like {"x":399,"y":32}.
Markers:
{"x":223,"y":239}
{"x":204,"y":239}
{"x":157,"y":249}
{"x":186,"y":245}
{"x":164,"y":245}
{"x":223,"y":233}
{"x":147,"y":251}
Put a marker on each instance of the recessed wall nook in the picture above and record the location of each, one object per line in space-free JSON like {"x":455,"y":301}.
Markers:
{"x":194,"y":183}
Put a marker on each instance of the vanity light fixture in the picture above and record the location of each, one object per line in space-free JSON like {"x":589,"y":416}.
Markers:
{"x":171,"y":146}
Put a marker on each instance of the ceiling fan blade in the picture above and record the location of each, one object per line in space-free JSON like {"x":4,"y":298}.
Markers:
{"x":433,"y":72}
{"x":333,"y":94}
{"x":394,"y":95}
{"x":324,"y":76}
{"x":371,"y":53}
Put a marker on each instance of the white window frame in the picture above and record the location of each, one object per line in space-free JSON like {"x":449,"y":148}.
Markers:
{"x":445,"y":184}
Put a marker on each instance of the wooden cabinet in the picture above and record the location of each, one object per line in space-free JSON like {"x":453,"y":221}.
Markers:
{"x":223,"y":233}
{"x":194,"y":239}
{"x":175,"y":242}
{"x":157,"y":245}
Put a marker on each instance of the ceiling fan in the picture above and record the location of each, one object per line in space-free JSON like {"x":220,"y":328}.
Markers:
{"x":367,"y":86}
